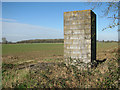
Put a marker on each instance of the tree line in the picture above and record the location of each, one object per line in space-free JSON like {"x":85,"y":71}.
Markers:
{"x":4,"y":41}
{"x":42,"y":41}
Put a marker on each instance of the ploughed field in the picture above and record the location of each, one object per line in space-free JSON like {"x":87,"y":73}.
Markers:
{"x":41,"y":65}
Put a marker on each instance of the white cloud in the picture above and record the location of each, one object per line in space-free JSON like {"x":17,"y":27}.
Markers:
{"x":14,"y":31}
{"x":10,"y":20}
{"x":20,"y":31}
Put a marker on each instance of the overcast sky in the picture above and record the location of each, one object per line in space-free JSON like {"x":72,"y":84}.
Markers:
{"x":38,"y":20}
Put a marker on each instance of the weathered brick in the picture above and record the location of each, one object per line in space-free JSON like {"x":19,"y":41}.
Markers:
{"x":79,"y":41}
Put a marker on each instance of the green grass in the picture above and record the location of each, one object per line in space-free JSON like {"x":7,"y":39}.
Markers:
{"x":46,"y":47}
{"x":103,"y":46}
{"x":34,"y":51}
{"x":58,"y":75}
{"x":20,"y":48}
{"x":43,"y":51}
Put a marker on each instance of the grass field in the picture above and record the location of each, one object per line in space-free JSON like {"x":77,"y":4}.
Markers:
{"x":32,"y":51}
{"x":41,"y":65}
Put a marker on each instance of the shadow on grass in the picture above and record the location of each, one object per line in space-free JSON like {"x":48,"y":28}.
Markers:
{"x":97,"y":62}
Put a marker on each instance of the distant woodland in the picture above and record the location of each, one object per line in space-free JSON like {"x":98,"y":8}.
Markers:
{"x":4,"y":41}
{"x":42,"y":41}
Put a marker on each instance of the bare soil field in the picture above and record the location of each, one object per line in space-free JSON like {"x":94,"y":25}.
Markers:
{"x":42,"y":65}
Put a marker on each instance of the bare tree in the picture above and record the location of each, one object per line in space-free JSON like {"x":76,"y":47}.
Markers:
{"x":4,"y":41}
{"x":111,"y":11}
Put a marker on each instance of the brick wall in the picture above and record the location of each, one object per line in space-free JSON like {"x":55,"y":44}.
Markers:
{"x":79,"y":37}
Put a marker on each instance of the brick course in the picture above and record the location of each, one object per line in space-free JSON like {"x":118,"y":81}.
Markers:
{"x":79,"y":37}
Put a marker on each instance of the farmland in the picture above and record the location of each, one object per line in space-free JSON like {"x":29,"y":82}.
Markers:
{"x":41,"y":65}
